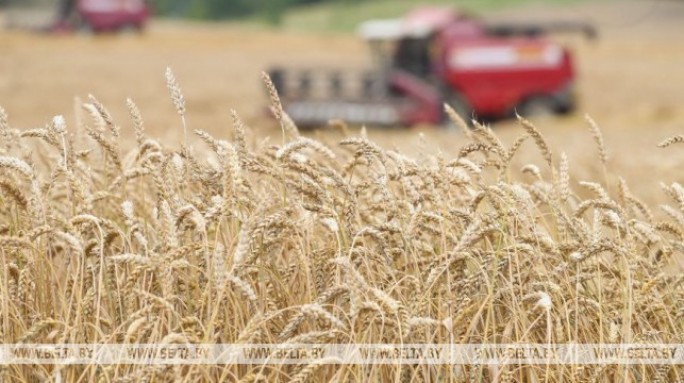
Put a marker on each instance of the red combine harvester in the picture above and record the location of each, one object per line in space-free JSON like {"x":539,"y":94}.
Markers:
{"x":435,"y":56}
{"x":101,"y":15}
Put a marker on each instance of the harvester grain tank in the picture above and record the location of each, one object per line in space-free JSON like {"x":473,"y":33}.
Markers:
{"x":434,"y":56}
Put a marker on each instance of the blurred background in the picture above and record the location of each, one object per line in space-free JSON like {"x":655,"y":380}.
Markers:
{"x":630,"y":78}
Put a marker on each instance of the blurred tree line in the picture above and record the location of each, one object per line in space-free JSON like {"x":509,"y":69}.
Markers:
{"x":272,"y":10}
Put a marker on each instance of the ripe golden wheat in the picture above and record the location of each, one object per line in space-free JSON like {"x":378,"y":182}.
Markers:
{"x":313,"y":242}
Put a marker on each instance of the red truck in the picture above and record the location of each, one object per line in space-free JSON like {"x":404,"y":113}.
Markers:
{"x":435,"y":56}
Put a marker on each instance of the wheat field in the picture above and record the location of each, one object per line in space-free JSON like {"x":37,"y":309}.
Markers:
{"x":174,"y":219}
{"x":292,"y":239}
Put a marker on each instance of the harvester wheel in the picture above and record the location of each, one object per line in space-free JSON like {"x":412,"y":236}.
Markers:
{"x":83,"y":27}
{"x":537,"y":106}
{"x":130,"y":29}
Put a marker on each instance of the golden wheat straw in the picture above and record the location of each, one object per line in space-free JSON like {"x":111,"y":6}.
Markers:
{"x":177,"y":99}
{"x":671,"y":141}
{"x":4,"y":124}
{"x":598,"y":138}
{"x":276,"y":105}
{"x":538,"y":139}
{"x":458,"y":121}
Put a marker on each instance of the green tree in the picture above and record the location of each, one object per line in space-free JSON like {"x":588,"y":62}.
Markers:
{"x":272,"y":10}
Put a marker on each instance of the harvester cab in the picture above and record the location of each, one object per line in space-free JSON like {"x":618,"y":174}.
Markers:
{"x":410,"y":42}
{"x":434,"y":56}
